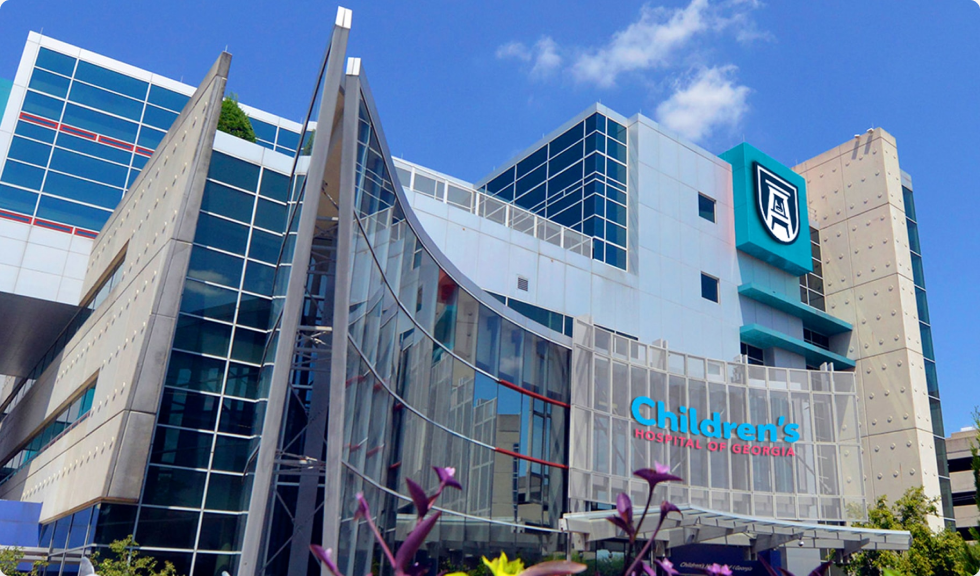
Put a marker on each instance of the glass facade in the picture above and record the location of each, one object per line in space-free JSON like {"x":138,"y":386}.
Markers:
{"x":437,"y":377}
{"x":811,"y":285}
{"x":929,"y":355}
{"x":578,"y":180}
{"x":823,"y":481}
{"x":83,"y":134}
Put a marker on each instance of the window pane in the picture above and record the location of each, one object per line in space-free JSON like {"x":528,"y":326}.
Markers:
{"x":181,"y":447}
{"x":107,"y":101}
{"x":274,"y":185}
{"x":158,"y":117}
{"x":259,"y":278}
{"x":115,"y":522}
{"x":34,"y":131}
{"x":150,"y":138}
{"x":288,"y":139}
{"x":263,"y":130}
{"x":82,"y":190}
{"x":100,"y":123}
{"x":270,"y":216}
{"x":195,"y":372}
{"x":41,"y":105}
{"x":167,"y":98}
{"x":243,"y":381}
{"x":706,"y":208}
{"x":93,"y":148}
{"x":241,"y":417}
{"x":23,"y":175}
{"x":209,"y":301}
{"x":265,"y":246}
{"x":173,"y":487}
{"x":248,"y":346}
{"x":228,"y":492}
{"x":709,"y":288}
{"x":233,"y":171}
{"x":221,"y":234}
{"x":196,"y":335}
{"x":55,"y":61}
{"x":254,"y":312}
{"x":49,"y":83}
{"x":215,"y":267}
{"x":226,"y":201}
{"x":114,"y":81}
{"x":220,"y":532}
{"x":66,"y":212}
{"x":166,"y":528}
{"x":232,"y":454}
{"x":88,"y":167}
{"x":30,"y":151}
{"x":17,"y":200}
{"x":188,"y":410}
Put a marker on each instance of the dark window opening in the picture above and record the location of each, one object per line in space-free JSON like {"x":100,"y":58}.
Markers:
{"x":706,"y":208}
{"x":709,"y":287}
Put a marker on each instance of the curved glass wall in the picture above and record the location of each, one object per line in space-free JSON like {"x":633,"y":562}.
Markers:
{"x":437,"y":377}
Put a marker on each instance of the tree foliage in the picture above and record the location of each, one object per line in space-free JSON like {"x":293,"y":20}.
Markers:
{"x":11,"y":558}
{"x":124,"y":559}
{"x":931,"y":553}
{"x":234,"y":121}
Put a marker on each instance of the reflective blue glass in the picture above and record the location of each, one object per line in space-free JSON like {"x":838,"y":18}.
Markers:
{"x":139,"y":161}
{"x":173,"y":487}
{"x":66,"y":212}
{"x":29,"y":151}
{"x":286,"y":151}
{"x":248,"y":346}
{"x":533,"y":160}
{"x":99,"y":76}
{"x":259,"y":278}
{"x":616,"y":212}
{"x":105,"y":100}
{"x":150,"y":138}
{"x":288,"y":139}
{"x":615,"y":170}
{"x":562,"y":142}
{"x":92,"y":148}
{"x":274,"y":185}
{"x":221,"y":234}
{"x":226,"y":201}
{"x":49,"y":83}
{"x":88,"y":167}
{"x":34,"y":131}
{"x":233,"y":171}
{"x":82,"y":190}
{"x":165,"y":528}
{"x":17,"y":200}
{"x":195,"y":372}
{"x":209,"y":301}
{"x":167,"y":98}
{"x":22,"y":175}
{"x":531,"y":180}
{"x":215,"y":267}
{"x":178,"y":447}
{"x":565,"y":159}
{"x":231,"y":454}
{"x":263,"y":130}
{"x":271,"y":216}
{"x":488,"y":340}
{"x":615,"y":256}
{"x":615,"y":234}
{"x":241,"y":417}
{"x":228,"y":492}
{"x":204,"y":336}
{"x":615,"y":130}
{"x":100,"y":123}
{"x":54,"y":61}
{"x":265,"y":246}
{"x":254,"y":312}
{"x":132,"y":178}
{"x":158,"y":117}
{"x":266,"y":145}
{"x":41,"y":105}
{"x":617,"y":151}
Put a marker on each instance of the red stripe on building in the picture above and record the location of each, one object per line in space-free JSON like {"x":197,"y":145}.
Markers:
{"x":53,"y":225}
{"x":116,"y":143}
{"x":38,"y":120}
{"x":78,"y":132}
{"x":530,"y":458}
{"x":15,"y":217}
{"x":85,"y":233}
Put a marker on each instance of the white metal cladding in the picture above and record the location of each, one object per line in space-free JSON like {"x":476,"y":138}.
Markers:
{"x":822,"y":480}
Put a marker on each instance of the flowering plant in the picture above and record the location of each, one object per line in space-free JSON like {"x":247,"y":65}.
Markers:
{"x":402,"y":561}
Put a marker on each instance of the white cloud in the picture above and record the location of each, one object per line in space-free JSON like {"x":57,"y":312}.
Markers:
{"x":710,"y":100}
{"x":544,"y":55}
{"x":645,"y":44}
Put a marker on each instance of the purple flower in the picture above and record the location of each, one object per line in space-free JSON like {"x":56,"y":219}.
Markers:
{"x":718,"y":570}
{"x":325,"y":556}
{"x":624,"y":519}
{"x":363,"y":511}
{"x":659,"y":473}
{"x":821,"y":570}
{"x":665,"y":565}
{"x":447,"y":478}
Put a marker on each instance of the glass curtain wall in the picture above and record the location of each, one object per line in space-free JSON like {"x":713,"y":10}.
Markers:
{"x":435,"y":377}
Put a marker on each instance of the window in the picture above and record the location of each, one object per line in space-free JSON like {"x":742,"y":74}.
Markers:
{"x":754,"y":355}
{"x":706,"y":208}
{"x":709,"y":287}
{"x":817,"y":339}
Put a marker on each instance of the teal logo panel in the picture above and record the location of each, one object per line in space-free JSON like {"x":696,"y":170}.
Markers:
{"x":771,"y":217}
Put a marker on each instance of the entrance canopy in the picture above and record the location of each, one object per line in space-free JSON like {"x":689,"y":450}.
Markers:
{"x":703,"y":526}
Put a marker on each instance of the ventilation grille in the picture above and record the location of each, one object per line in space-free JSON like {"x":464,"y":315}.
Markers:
{"x":522,"y":283}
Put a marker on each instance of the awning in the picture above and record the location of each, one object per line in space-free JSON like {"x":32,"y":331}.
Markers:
{"x":703,"y":526}
{"x":28,"y":327}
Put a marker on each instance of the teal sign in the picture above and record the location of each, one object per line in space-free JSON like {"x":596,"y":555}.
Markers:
{"x":771,"y":220}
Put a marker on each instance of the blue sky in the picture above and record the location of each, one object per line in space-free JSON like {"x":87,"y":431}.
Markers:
{"x":462,"y":86}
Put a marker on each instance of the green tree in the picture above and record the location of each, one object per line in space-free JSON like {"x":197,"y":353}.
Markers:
{"x":971,"y":551}
{"x":931,"y":553}
{"x":10,"y":559}
{"x":234,"y":121}
{"x":125,"y":560}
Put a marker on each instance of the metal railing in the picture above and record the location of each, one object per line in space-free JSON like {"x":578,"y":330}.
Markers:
{"x":494,"y":209}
